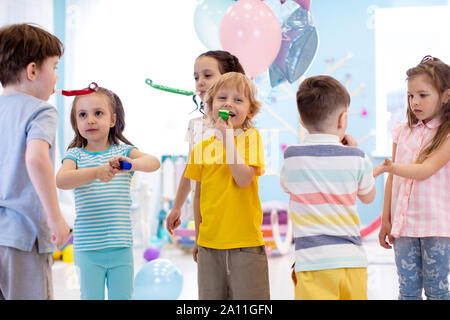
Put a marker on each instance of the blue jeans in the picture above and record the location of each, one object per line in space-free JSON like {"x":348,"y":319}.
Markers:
{"x":422,"y":263}
{"x":113,"y":265}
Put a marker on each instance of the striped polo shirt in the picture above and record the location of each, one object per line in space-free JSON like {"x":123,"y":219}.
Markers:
{"x":323,"y":178}
{"x":102,"y":209}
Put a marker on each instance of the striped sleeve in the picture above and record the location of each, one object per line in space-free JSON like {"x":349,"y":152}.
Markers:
{"x":73,"y":154}
{"x":367,"y":181}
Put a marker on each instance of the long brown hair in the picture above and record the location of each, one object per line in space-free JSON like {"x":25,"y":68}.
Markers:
{"x":115,"y":133}
{"x":439,"y":74}
{"x":227,"y":62}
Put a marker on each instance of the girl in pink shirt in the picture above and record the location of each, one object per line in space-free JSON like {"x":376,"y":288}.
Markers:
{"x":416,"y":209}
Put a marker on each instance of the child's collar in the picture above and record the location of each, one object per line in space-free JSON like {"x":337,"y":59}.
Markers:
{"x":321,"y":138}
{"x":433,"y":123}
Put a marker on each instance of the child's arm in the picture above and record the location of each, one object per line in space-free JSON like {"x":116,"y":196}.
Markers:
{"x":368,"y":197}
{"x":197,"y":217}
{"x":173,"y":219}
{"x":69,"y":177}
{"x":420,"y":171}
{"x":242,"y":173}
{"x":385,"y":229}
{"x":41,"y":172}
{"x":140,"y":161}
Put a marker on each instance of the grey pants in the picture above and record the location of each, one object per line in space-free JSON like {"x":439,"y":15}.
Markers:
{"x":25,"y":275}
{"x":235,"y":274}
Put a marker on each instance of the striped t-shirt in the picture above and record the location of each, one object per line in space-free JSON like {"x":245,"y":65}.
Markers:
{"x":323,"y":178}
{"x":102,"y":209}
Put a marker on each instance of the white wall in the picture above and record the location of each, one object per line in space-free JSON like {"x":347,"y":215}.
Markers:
{"x":119,"y":44}
{"x":403,"y":36}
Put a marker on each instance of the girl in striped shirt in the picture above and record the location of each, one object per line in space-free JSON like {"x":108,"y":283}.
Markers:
{"x":416,"y":211}
{"x":91,"y":166}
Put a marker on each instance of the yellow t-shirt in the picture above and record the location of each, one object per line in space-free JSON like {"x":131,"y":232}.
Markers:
{"x":231,"y":216}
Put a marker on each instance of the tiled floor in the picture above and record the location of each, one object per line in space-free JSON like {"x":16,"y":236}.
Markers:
{"x":382,"y":280}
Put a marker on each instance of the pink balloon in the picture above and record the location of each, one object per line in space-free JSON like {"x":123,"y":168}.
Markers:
{"x":251,"y":31}
{"x":305,"y":4}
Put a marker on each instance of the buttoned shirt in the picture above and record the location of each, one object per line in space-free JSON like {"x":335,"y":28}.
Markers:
{"x":419,"y":208}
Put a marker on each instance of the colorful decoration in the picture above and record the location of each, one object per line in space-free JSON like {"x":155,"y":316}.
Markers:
{"x":207,"y":18}
{"x":298,"y":48}
{"x":158,"y":279}
{"x":251,"y":31}
{"x":305,"y":4}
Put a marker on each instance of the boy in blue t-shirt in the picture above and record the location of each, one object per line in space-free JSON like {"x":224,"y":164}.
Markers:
{"x":30,"y":219}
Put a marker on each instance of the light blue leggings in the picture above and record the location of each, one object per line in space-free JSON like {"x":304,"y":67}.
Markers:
{"x":113,"y":265}
{"x":422,"y":263}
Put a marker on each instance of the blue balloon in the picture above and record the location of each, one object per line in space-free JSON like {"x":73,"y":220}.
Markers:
{"x":298,"y":48}
{"x":158,"y":279}
{"x":207,"y":18}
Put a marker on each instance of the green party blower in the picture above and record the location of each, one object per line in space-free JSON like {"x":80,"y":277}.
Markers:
{"x":224,"y":114}
{"x":168,"y":89}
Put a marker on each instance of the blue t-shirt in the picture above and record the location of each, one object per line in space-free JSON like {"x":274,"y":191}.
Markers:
{"x":102,"y":208}
{"x":22,"y":217}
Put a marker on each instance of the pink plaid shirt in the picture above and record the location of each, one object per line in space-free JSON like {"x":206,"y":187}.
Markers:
{"x":419,"y":208}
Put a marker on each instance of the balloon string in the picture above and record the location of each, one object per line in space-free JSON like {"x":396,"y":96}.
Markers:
{"x":168,"y":89}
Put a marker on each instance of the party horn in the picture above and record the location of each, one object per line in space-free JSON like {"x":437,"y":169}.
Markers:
{"x":92,"y":87}
{"x":124,"y":165}
{"x":168,"y":89}
{"x":224,"y":114}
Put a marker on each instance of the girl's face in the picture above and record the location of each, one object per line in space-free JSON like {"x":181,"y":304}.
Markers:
{"x":206,"y":72}
{"x":424,"y":100}
{"x":236,"y":101}
{"x":94,"y":118}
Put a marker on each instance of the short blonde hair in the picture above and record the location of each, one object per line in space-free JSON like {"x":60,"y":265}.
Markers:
{"x":242,"y":83}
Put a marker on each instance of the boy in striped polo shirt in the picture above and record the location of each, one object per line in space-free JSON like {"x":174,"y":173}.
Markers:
{"x":323,"y":177}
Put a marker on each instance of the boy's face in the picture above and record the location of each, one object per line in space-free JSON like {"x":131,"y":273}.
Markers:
{"x":46,"y":78}
{"x":234,"y":100}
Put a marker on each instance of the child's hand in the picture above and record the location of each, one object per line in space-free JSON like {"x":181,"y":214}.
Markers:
{"x":195,"y":252}
{"x":115,"y":162}
{"x":222,"y":126}
{"x":383,"y":167}
{"x":60,"y":232}
{"x":349,"y":141}
{"x":105,"y":172}
{"x":173,"y":220}
{"x":385,"y":232}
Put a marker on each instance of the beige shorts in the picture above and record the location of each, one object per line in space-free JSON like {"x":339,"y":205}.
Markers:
{"x":234,"y":274}
{"x":25,"y":275}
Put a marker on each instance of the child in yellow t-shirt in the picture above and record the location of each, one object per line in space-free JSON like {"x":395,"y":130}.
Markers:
{"x":229,"y":248}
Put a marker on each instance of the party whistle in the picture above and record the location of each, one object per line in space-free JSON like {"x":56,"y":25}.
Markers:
{"x":168,"y":89}
{"x":125,"y":165}
{"x":224,"y":114}
{"x":93,"y":87}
